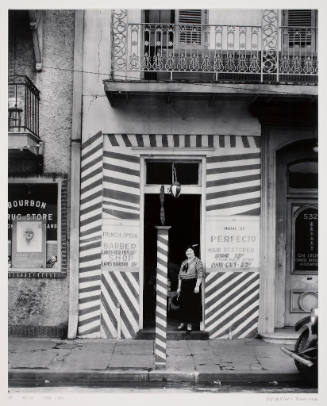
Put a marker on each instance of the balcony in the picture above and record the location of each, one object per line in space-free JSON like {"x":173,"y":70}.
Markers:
{"x":216,"y":53}
{"x":23,"y":115}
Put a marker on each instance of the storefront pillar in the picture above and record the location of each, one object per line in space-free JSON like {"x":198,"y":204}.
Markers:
{"x":160,"y":343}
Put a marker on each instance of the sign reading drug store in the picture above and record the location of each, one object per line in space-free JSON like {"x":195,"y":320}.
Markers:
{"x":120,"y":246}
{"x":232,"y":243}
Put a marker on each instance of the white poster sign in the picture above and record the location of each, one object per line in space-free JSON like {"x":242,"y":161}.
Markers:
{"x":120,"y":246}
{"x":232,"y":243}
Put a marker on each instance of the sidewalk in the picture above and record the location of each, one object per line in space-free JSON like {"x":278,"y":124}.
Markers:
{"x":55,"y":362}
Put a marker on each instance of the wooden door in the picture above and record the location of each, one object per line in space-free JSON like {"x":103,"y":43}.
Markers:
{"x":297,"y":230}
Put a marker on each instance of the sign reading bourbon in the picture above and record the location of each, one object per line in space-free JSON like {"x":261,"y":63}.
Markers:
{"x":305,"y":226}
{"x":120,"y":246}
{"x":232,"y":243}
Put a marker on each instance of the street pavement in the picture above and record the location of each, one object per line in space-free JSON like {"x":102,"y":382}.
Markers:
{"x":36,"y":362}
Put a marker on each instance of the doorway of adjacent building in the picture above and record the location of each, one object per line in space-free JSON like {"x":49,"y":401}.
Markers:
{"x":297,"y":231}
{"x":183,"y":215}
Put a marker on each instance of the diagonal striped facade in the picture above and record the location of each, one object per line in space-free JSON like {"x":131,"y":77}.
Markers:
{"x":109,"y":301}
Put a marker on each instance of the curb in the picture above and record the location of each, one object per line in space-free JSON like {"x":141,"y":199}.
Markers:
{"x":143,"y":377}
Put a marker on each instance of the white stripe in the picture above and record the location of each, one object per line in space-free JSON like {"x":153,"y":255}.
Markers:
{"x":89,"y":284}
{"x":91,"y":180}
{"x":121,"y":162}
{"x":234,"y":210}
{"x":158,"y":140}
{"x":122,"y":302}
{"x":205,"y":141}
{"x":94,"y":144}
{"x":215,"y":293}
{"x":91,"y":214}
{"x":160,"y":354}
{"x":111,"y":327}
{"x":234,"y":162}
{"x":230,"y":151}
{"x":128,"y":292}
{"x":92,"y":191}
{"x":91,"y":273}
{"x":161,"y":322}
{"x":121,"y":175}
{"x":226,"y":315}
{"x":112,"y":307}
{"x":231,"y":175}
{"x":95,"y":262}
{"x":239,"y":142}
{"x":89,"y":315}
{"x":83,"y":295}
{"x":161,"y":310}
{"x":231,"y":301}
{"x":90,"y":251}
{"x":121,"y":188}
{"x":91,"y":158}
{"x":161,"y":301}
{"x":132,"y":139}
{"x":133,"y":280}
{"x":114,"y":206}
{"x":170,"y":139}
{"x":89,"y":326}
{"x":234,"y":186}
{"x":146,"y":140}
{"x":110,"y":200}
{"x":193,"y":141}
{"x":91,"y":225}
{"x":92,"y":168}
{"x":233,"y":198}
{"x":88,"y":305}
{"x":124,"y":330}
{"x":95,"y":236}
{"x":227,"y":142}
{"x":238,"y":317}
{"x":245,"y":322}
{"x":252,"y":142}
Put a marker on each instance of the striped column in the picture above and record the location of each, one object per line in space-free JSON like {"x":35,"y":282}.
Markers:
{"x":160,"y":342}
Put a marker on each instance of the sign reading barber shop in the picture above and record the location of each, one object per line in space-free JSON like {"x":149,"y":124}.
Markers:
{"x":232,"y":243}
{"x":120,"y":246}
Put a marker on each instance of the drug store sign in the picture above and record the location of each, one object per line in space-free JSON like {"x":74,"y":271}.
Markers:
{"x":232,"y":243}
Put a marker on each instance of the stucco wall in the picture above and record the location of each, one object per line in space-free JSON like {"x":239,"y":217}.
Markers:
{"x":32,"y":301}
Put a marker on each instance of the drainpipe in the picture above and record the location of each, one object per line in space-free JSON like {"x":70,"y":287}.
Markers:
{"x":75,"y":173}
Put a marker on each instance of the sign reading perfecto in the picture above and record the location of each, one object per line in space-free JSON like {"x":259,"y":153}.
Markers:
{"x":120,"y":246}
{"x":232,"y":243}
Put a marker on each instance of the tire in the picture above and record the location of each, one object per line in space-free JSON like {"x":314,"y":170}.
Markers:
{"x":300,"y":345}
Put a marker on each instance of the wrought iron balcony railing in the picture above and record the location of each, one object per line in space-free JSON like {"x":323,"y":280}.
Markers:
{"x":218,"y":53}
{"x":23,"y":105}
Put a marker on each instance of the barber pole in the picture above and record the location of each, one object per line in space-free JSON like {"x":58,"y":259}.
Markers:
{"x":160,"y":343}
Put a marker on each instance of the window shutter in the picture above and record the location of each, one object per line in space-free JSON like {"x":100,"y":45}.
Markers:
{"x":191,"y":34}
{"x":300,"y":37}
{"x":300,"y":18}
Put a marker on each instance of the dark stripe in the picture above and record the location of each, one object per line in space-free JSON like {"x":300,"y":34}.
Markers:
{"x":123,"y":206}
{"x":87,"y":321}
{"x":127,"y":197}
{"x":91,"y":186}
{"x":122,"y":182}
{"x":164,"y":140}
{"x":229,"y":298}
{"x":246,"y":327}
{"x":90,"y":198}
{"x":89,"y":289}
{"x":254,"y":212}
{"x":90,"y":246}
{"x":89,"y":279}
{"x":187,"y":140}
{"x":107,"y":286}
{"x":125,"y":296}
{"x":221,"y":142}
{"x":89,"y":299}
{"x":245,"y":141}
{"x":91,"y":174}
{"x":139,"y":140}
{"x":222,"y":289}
{"x":88,"y":310}
{"x":153,"y":141}
{"x":129,"y":284}
{"x":238,"y":168}
{"x":210,"y":289}
{"x":240,"y":321}
{"x":105,"y":328}
{"x":90,"y":268}
{"x":232,"y":141}
{"x":233,"y":204}
{"x":91,"y":220}
{"x":121,"y":169}
{"x":161,"y":262}
{"x":231,"y":181}
{"x":236,"y":157}
{"x":91,"y":140}
{"x":176,"y":140}
{"x":161,"y":317}
{"x":109,"y":311}
{"x":162,"y":239}
{"x":233,"y":192}
{"x":126,"y":140}
{"x":123,"y":157}
{"x":90,"y":164}
{"x":126,"y":322}
{"x":91,"y":152}
{"x":89,"y":209}
{"x":257,"y":141}
{"x":210,"y":140}
{"x":88,"y":258}
{"x":198,"y":140}
{"x":91,"y":231}
{"x":90,"y":331}
{"x":113,"y":140}
{"x":237,"y":311}
{"x":122,"y":214}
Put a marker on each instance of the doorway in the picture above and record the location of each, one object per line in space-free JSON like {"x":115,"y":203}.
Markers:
{"x":297,"y":231}
{"x":183,"y":215}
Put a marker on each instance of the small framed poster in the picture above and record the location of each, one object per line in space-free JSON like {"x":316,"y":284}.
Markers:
{"x":29,"y":243}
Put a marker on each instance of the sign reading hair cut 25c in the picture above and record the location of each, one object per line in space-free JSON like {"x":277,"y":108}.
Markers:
{"x":232,"y":243}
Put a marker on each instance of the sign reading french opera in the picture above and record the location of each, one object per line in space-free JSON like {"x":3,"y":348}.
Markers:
{"x":120,"y":246}
{"x":232,"y":243}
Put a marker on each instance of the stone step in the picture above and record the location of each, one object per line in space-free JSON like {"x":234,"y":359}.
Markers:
{"x":149,"y":334}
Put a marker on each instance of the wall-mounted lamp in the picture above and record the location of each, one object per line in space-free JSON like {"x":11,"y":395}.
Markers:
{"x":175,"y":188}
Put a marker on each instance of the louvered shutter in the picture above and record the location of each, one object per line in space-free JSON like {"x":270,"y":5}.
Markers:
{"x":191,"y":32}
{"x":300,"y":37}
